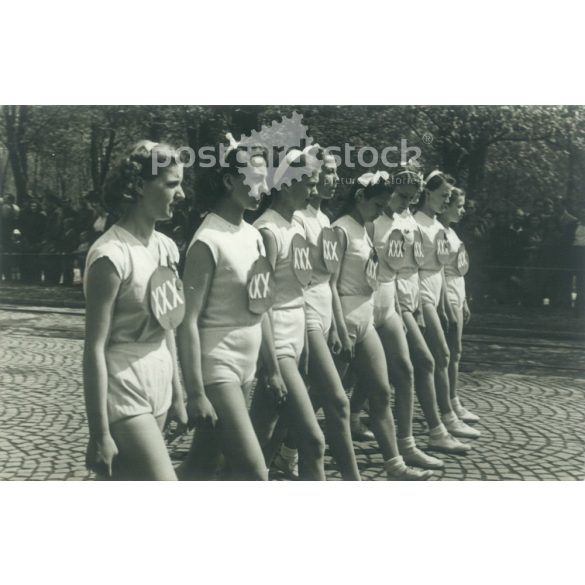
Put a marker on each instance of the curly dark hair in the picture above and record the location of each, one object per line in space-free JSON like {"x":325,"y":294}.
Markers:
{"x":120,"y":188}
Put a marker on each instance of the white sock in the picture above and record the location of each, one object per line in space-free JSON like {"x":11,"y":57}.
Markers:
{"x":394,"y":464}
{"x":450,"y":418}
{"x":406,"y":444}
{"x":288,"y":453}
{"x":457,"y":402}
{"x":439,"y":431}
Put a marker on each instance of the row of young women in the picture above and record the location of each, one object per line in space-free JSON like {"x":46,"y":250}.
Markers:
{"x":292,"y":302}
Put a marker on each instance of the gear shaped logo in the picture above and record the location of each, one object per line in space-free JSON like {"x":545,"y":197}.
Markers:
{"x":279,"y":138}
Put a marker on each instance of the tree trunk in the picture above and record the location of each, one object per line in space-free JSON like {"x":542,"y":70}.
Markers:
{"x":15,"y":121}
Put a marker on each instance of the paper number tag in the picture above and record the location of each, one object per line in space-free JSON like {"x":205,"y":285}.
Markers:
{"x":261,"y":286}
{"x":167,"y":300}
{"x":443,"y":247}
{"x":462,"y":260}
{"x":419,"y":255}
{"x":330,"y":249}
{"x":301,"y":260}
{"x":395,"y":256}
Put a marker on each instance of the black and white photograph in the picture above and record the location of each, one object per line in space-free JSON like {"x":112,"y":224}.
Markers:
{"x":293,"y":292}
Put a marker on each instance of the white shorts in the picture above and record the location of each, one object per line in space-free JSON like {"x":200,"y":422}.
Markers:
{"x":289,"y":332}
{"x":358,"y":312}
{"x":430,"y":287}
{"x":384,"y":302}
{"x":456,"y":290}
{"x":407,"y":289}
{"x":319,"y":308}
{"x":229,"y":355}
{"x":140,"y":378}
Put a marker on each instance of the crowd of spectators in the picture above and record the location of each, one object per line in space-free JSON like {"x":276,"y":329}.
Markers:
{"x":530,"y":256}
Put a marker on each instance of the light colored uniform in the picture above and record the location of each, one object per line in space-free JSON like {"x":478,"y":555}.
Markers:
{"x":407,"y":280}
{"x":455,"y":282}
{"x":139,"y":363}
{"x":288,"y":311}
{"x":431,"y":272}
{"x":385,"y":296}
{"x":229,"y":332}
{"x":318,"y":301}
{"x":355,"y":293}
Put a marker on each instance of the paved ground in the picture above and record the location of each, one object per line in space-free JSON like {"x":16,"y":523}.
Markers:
{"x":529,"y":391}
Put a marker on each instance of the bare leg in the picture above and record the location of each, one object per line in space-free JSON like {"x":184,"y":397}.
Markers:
{"x":454,"y":340}
{"x":235,"y":433}
{"x":435,"y":338}
{"x":370,"y":364}
{"x":424,"y":369}
{"x":302,"y":423}
{"x":142,"y":453}
{"x":326,"y":385}
{"x":264,"y":414}
{"x":400,"y":370}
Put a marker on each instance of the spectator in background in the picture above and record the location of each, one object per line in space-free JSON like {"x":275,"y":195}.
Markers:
{"x":531,"y":243}
{"x":504,"y":259}
{"x":32,"y":224}
{"x":563,"y":280}
{"x":66,"y":246}
{"x":518,"y":221}
{"x":53,"y":231}
{"x":576,"y":233}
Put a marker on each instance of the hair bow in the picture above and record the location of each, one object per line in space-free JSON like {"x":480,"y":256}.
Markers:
{"x":371,"y":179}
{"x":233,"y":143}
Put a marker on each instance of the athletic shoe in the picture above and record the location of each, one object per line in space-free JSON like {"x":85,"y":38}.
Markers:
{"x":448,"y":444}
{"x":416,"y":458}
{"x":409,"y":474}
{"x":288,"y":466}
{"x":459,"y":429}
{"x":464,"y":414}
{"x":360,"y":433}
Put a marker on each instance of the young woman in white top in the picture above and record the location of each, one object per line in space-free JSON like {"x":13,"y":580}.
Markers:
{"x":221,"y":337}
{"x":129,"y":364}
{"x":436,"y":311}
{"x":326,"y":387}
{"x":409,"y":305}
{"x":455,"y":271}
{"x":355,"y":281}
{"x":283,"y":240}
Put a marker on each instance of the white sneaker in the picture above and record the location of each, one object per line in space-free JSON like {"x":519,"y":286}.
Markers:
{"x":416,"y":458}
{"x":288,"y":465}
{"x":464,"y":414}
{"x":459,"y":429}
{"x":448,"y":444}
{"x":408,"y":474}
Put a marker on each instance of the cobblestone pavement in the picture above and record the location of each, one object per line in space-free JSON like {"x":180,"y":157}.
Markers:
{"x":530,"y":394}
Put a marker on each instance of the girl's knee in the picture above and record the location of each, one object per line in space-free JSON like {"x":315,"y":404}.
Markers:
{"x":425,"y":363}
{"x":338,"y":405}
{"x":404,"y":369}
{"x":442,"y":358}
{"x":313,"y":445}
{"x":380,"y":400}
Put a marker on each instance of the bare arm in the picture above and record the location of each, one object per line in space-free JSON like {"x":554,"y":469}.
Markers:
{"x":103,"y":284}
{"x":199,"y":271}
{"x":338,"y":317}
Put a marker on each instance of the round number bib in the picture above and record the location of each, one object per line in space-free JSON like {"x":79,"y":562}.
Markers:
{"x":372,"y":270}
{"x":301,"y":261}
{"x":443,"y":248}
{"x":462,"y":260}
{"x":395,"y":255}
{"x":167,"y":300}
{"x":419,"y":255}
{"x":261,"y":286}
{"x":330,"y":249}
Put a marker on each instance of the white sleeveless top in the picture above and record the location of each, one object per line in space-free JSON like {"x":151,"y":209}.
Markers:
{"x":133,"y":320}
{"x":451,"y":269}
{"x":408,"y":226}
{"x":289,"y":291}
{"x":234,"y":249}
{"x":384,"y":225}
{"x":430,"y":228}
{"x":352,"y":277}
{"x":313,"y":221}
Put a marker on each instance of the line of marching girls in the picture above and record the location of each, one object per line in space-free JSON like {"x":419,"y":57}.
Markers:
{"x":271,"y":320}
